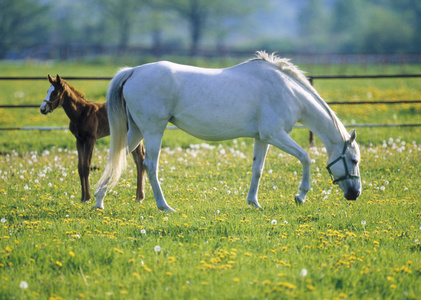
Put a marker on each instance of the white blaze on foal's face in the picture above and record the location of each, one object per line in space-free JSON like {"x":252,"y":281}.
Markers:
{"x":45,"y":107}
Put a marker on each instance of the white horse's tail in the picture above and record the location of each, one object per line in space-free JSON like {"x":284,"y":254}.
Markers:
{"x":117,"y":119}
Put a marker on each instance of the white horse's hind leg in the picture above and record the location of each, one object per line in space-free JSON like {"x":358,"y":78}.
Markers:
{"x":259,"y":155}
{"x":152,"y":151}
{"x":100,"y":193}
{"x":134,"y":135}
{"x":284,"y":142}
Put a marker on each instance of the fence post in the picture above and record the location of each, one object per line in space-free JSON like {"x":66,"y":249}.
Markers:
{"x":311,"y":137}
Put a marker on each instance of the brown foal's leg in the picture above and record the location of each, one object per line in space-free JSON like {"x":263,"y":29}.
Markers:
{"x":85,"y":150}
{"x":81,"y":159}
{"x":139,"y":156}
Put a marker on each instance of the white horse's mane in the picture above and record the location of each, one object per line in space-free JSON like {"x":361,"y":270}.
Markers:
{"x":293,"y":71}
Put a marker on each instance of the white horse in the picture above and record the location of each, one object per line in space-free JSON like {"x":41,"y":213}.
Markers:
{"x":261,"y":98}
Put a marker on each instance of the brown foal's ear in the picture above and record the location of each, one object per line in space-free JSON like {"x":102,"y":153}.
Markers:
{"x":58,"y":79}
{"x":50,"y":79}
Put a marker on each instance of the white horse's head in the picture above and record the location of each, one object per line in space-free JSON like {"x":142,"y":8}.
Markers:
{"x":344,"y":170}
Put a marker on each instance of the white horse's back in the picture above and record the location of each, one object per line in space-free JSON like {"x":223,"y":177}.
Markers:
{"x":212,"y":104}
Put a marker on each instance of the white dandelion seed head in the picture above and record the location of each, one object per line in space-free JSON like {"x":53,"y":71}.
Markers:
{"x":143,"y":231}
{"x":363,"y":223}
{"x":274,"y":222}
{"x":23,"y":285}
{"x":3,"y":220}
{"x":303,"y":272}
{"x":157,"y":248}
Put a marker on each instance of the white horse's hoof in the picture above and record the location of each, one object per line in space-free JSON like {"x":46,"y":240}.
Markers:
{"x":98,"y":207}
{"x":166,"y":208}
{"x":298,"y":200}
{"x":254,"y":204}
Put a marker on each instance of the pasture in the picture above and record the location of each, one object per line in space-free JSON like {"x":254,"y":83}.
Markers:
{"x":214,"y":246}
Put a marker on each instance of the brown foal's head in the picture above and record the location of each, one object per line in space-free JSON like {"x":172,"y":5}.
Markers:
{"x":54,"y":96}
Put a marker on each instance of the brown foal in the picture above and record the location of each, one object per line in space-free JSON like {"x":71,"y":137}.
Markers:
{"x":88,"y":122}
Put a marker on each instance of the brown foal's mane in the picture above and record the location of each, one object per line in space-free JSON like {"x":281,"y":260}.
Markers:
{"x":75,"y":91}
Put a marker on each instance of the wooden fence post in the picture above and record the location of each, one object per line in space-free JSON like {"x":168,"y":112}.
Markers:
{"x":311,"y":137}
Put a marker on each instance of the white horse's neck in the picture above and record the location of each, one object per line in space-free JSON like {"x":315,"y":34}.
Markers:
{"x":319,"y":121}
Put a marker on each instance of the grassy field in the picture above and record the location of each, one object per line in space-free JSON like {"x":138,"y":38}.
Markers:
{"x":214,"y":246}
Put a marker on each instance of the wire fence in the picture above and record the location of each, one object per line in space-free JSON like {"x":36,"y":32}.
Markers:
{"x":311,"y":79}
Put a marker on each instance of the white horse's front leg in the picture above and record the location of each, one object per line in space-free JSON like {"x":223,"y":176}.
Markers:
{"x":153,"y":149}
{"x":100,"y":193}
{"x":259,"y":155}
{"x":305,"y":181}
{"x":284,"y":142}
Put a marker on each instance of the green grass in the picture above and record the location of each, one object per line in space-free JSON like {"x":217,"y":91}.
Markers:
{"x":214,"y":246}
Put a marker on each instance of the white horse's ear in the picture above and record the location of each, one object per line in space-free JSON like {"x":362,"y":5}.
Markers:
{"x":353,"y":134}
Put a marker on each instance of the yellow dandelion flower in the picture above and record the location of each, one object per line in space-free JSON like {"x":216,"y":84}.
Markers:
{"x":8,"y":249}
{"x":287,"y":285}
{"x":147,"y":269}
{"x":311,"y":287}
{"x":237,"y":280}
{"x":72,"y":254}
{"x":59,"y":264}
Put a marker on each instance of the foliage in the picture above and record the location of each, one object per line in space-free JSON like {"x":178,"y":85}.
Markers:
{"x":362,"y":26}
{"x":359,"y":26}
{"x":21,"y":22}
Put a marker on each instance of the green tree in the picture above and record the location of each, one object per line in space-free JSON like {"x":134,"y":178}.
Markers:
{"x":121,"y":15}
{"x":347,"y":21}
{"x":386,"y":32}
{"x":313,"y":25}
{"x":199,"y":15}
{"x":22,"y":23}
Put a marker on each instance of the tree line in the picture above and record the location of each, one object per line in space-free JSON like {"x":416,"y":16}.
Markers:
{"x":320,"y":26}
